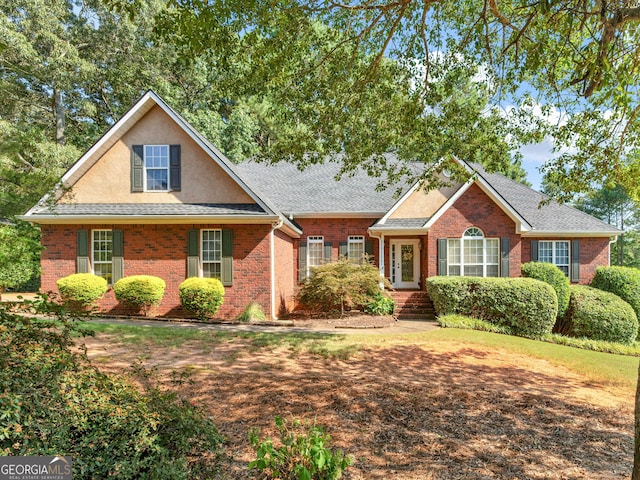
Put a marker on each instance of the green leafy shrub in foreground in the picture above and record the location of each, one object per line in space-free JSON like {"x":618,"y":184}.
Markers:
{"x":600,"y":315}
{"x":140,"y":291}
{"x":302,"y":455}
{"x":82,"y":290}
{"x":201,"y":297}
{"x":55,"y":402}
{"x":526,"y":306}
{"x":623,"y":281}
{"x":551,"y":274}
{"x":340,"y":286}
{"x":381,"y":304}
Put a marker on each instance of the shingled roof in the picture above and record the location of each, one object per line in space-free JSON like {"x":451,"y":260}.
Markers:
{"x":315,"y":191}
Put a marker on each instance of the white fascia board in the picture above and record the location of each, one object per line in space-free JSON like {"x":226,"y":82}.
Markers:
{"x":452,"y":199}
{"x":149,"y":219}
{"x":376,"y":231}
{"x":570,"y":234}
{"x":522,"y":225}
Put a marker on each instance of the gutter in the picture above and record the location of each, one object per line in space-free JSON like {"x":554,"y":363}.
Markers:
{"x":272,"y":266}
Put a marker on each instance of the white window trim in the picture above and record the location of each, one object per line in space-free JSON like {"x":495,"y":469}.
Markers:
{"x":314,"y":239}
{"x":353,"y":240}
{"x":144,"y":168}
{"x":202,"y":261}
{"x":95,"y":262}
{"x":462,"y":263}
{"x":554,"y":256}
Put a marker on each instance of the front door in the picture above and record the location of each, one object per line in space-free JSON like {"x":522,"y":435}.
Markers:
{"x":405,"y":263}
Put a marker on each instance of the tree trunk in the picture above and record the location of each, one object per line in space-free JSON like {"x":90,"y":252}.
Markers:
{"x":636,"y":444}
{"x":58,"y":112}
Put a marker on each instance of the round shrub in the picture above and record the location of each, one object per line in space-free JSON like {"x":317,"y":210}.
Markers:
{"x":525,"y":306}
{"x":140,"y":291}
{"x":82,"y":290}
{"x":623,"y":281}
{"x":201,"y":297}
{"x":551,"y":274}
{"x":600,"y":315}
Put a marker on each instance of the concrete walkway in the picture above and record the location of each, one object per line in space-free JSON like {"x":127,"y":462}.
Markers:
{"x":399,"y":327}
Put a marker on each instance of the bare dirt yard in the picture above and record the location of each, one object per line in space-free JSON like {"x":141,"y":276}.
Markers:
{"x":437,"y":410}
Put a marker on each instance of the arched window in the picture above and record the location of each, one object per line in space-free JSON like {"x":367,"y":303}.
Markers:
{"x":473,"y":255}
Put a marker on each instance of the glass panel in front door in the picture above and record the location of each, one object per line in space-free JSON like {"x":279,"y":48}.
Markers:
{"x":407,"y":263}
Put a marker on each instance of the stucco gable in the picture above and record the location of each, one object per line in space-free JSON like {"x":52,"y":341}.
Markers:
{"x":107,"y":179}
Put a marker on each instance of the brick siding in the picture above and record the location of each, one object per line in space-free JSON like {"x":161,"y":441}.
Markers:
{"x":161,"y":250}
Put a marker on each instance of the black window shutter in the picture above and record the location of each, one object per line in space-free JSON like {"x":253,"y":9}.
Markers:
{"x":82,"y":249}
{"x":174,"y":171}
{"x":575,"y":261}
{"x":226,"y":274}
{"x":534,"y":250}
{"x":368,"y":247}
{"x":442,"y":256}
{"x":343,"y":249}
{"x":137,"y":168}
{"x":193,"y":260}
{"x":118,"y":243}
{"x":302,"y":261}
{"x":83,"y":243}
{"x":327,"y":252}
{"x":505,"y":249}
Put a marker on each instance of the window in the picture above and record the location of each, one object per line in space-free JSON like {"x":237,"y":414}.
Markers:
{"x":473,"y":255}
{"x":315,"y":251}
{"x":156,"y":167}
{"x":556,"y":252}
{"x":212,"y":253}
{"x":102,"y":254}
{"x":355,"y":249}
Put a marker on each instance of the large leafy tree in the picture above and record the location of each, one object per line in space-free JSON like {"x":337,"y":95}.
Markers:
{"x":614,"y":206}
{"x":573,"y":57}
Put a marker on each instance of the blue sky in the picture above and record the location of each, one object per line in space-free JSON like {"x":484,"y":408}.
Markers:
{"x":534,"y":157}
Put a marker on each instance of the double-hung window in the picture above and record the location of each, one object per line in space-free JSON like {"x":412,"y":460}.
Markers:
{"x":556,"y":252}
{"x":211,"y":253}
{"x":156,"y":167}
{"x":355,"y":248}
{"x":102,"y":254}
{"x":315,"y":251}
{"x":473,"y":255}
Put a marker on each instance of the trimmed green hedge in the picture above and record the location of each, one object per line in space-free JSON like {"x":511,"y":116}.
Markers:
{"x":140,"y":291}
{"x":526,"y":306}
{"x":600,"y":315}
{"x":623,"y":281}
{"x":201,"y":297}
{"x":82,"y":290}
{"x":551,"y":274}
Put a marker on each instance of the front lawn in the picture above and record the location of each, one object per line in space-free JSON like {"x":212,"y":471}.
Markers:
{"x":445,"y":404}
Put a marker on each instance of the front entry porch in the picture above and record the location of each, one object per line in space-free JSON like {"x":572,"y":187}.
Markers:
{"x":404,"y":263}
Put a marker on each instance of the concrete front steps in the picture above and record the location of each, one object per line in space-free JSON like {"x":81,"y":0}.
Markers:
{"x":413,"y":305}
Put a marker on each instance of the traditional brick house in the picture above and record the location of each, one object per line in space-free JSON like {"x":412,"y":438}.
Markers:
{"x":154,"y":197}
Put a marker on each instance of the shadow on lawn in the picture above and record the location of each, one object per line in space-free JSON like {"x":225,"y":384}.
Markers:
{"x":406,"y":413}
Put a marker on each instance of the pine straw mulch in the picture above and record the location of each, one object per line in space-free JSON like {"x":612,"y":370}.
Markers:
{"x":442,"y":411}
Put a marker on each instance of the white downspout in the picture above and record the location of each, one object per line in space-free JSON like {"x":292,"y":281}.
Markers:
{"x":611,"y":242}
{"x":272,"y":262}
{"x":380,"y":238}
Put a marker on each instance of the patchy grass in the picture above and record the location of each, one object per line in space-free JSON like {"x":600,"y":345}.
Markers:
{"x":445,"y":404}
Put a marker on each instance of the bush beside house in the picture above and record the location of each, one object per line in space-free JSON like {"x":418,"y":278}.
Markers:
{"x":340,"y":286}
{"x":551,"y":274}
{"x":600,"y":315}
{"x":526,"y":306}
{"x":81,"y":291}
{"x":623,"y":281}
{"x":140,"y":291}
{"x":201,"y":297}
